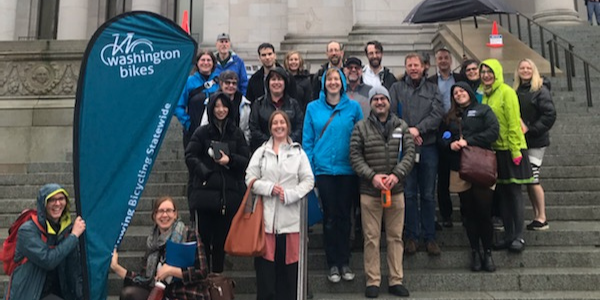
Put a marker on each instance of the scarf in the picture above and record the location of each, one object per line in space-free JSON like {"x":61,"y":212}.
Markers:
{"x":157,"y":241}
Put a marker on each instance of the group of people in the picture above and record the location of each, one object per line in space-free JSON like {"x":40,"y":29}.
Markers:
{"x":372,"y":145}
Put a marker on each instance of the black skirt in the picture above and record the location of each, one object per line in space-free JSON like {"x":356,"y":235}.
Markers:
{"x":509,"y":173}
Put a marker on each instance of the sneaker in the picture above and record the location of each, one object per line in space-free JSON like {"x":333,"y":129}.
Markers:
{"x":398,"y":290}
{"x":517,"y":246}
{"x":410,"y":247}
{"x":433,"y":249}
{"x":537,"y":225}
{"x":334,"y":275}
{"x":498,"y":224}
{"x":372,"y":291}
{"x":347,"y":273}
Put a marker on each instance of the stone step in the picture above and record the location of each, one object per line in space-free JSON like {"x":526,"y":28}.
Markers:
{"x":40,"y":179}
{"x":451,"y":258}
{"x":151,"y":190}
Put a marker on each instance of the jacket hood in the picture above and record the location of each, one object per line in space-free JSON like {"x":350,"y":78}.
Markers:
{"x":496,"y":67}
{"x":466,"y":87}
{"x":45,"y":193}
{"x":281,"y":72}
{"x":323,"y":92}
{"x":210,"y":109}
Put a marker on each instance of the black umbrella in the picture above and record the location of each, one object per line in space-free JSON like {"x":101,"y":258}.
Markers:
{"x":432,"y":11}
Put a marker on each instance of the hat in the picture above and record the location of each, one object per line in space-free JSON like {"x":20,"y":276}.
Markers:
{"x":465,"y":86}
{"x":379,"y":90}
{"x":353,"y":61}
{"x":223,"y":36}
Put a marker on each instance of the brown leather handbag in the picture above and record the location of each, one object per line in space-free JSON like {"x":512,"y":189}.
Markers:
{"x":478,"y":166}
{"x":220,"y":287}
{"x":247,"y":235}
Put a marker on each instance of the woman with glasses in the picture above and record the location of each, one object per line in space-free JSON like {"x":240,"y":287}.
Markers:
{"x":182,"y":283}
{"x":511,"y":153}
{"x":469,"y":72}
{"x":217,"y":157}
{"x":228,"y":81}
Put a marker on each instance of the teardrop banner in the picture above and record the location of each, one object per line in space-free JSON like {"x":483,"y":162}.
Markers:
{"x":133,"y":71}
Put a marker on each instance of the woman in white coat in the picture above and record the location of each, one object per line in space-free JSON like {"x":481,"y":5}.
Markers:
{"x":283,"y":178}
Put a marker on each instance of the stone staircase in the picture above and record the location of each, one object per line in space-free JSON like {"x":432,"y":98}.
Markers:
{"x":561,"y":263}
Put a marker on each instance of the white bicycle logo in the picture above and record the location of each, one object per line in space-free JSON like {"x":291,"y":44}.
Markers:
{"x":126,"y":46}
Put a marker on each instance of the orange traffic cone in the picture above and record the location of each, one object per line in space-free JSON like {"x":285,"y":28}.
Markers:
{"x":185,"y":22}
{"x":495,"y":38}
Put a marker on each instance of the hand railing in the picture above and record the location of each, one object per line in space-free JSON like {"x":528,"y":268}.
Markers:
{"x":542,"y":29}
{"x":570,"y":68}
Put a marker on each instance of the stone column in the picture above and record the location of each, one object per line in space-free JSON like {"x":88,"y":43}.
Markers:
{"x":319,"y":18}
{"x":147,"y":5}
{"x":555,"y":11}
{"x":216,"y":21}
{"x":72,"y":20}
{"x":8,"y":17}
{"x":381,"y":12}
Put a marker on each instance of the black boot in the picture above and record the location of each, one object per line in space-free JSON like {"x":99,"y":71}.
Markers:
{"x":488,"y":262}
{"x":475,"y":261}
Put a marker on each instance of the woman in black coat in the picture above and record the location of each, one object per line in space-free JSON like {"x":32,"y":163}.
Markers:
{"x":469,"y":123}
{"x":217,"y":156}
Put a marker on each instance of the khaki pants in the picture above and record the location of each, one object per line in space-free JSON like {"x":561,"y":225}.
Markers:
{"x":372,"y":215}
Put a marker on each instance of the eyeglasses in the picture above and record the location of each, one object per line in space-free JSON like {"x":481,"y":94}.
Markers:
{"x":165,"y":211}
{"x":486,"y":72}
{"x":229,"y":82}
{"x":352,"y":68}
{"x":471,"y":69}
{"x":59,"y":199}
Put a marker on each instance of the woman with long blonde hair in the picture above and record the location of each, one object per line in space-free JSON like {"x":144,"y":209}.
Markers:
{"x":537,"y":117}
{"x":294,"y":64}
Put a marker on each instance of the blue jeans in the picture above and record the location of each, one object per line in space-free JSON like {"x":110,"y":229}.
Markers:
{"x":419,"y":191}
{"x":593,"y":8}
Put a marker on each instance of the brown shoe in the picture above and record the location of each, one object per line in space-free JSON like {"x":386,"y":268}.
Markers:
{"x":433,"y":249}
{"x":410,"y":247}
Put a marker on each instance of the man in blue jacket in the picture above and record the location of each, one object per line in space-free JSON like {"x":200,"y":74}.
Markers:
{"x":228,"y":60}
{"x":47,"y":245}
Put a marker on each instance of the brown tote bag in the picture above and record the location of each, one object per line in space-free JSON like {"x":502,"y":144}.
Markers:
{"x":478,"y":166}
{"x":247,"y":232}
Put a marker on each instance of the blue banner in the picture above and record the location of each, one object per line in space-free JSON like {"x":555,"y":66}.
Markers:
{"x":131,"y":76}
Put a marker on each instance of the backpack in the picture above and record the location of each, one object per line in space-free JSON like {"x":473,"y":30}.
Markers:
{"x":10,"y":244}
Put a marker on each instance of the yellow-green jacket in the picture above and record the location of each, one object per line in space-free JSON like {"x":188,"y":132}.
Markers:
{"x":504,"y":102}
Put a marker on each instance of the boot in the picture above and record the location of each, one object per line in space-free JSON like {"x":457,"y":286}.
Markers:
{"x":488,"y":262}
{"x":475,"y":260}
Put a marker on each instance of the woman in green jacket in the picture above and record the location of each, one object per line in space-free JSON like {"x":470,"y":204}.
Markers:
{"x":511,"y":153}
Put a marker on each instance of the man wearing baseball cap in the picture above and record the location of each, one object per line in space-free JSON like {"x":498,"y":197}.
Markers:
{"x":228,"y":60}
{"x":382,"y":153}
{"x":357,"y":89}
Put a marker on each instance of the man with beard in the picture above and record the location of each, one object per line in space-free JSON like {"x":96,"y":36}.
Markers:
{"x":419,"y":103}
{"x":256,"y":85}
{"x":357,"y":89}
{"x":335,"y":59}
{"x":229,"y":60}
{"x":375,"y":74}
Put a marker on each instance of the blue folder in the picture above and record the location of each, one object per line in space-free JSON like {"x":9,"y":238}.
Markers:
{"x":181,"y":255}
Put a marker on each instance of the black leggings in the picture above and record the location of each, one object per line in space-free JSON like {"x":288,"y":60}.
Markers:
{"x":213,"y":229}
{"x":476,"y":204}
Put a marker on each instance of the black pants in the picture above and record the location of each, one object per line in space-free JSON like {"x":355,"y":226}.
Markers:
{"x":213,"y":229}
{"x":443,"y":187}
{"x":512,"y":210}
{"x":477,"y":208}
{"x":337,"y":194}
{"x":187,"y":136}
{"x":276,"y":280}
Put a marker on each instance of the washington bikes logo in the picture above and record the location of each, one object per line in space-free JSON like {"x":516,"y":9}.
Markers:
{"x":134,"y":57}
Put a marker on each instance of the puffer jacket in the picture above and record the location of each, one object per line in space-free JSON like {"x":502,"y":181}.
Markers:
{"x":59,"y":253}
{"x":420,"y":106}
{"x":292,"y":171}
{"x":210,"y":179}
{"x":330,"y":154}
{"x":538,"y":113}
{"x":504,"y":102}
{"x":375,"y":149}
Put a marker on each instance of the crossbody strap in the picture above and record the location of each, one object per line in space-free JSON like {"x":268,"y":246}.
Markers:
{"x":327,"y":124}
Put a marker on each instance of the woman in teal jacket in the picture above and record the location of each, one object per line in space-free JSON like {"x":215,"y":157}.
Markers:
{"x":49,"y":243}
{"x":328,"y":125}
{"x":511,"y":153}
